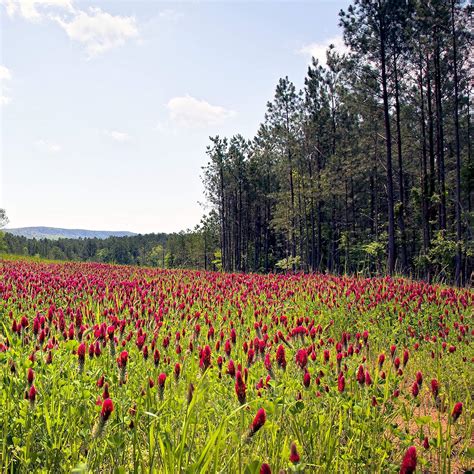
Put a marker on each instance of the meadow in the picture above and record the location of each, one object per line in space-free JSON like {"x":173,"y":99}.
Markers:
{"x":108,"y":368}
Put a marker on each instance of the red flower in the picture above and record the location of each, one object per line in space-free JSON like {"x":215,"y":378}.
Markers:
{"x":435,"y":388}
{"x":368,"y":378}
{"x":306,"y":379}
{"x":81,"y":352}
{"x":156,"y":357}
{"x":415,"y":389}
{"x":258,"y":421}
{"x":360,"y":375}
{"x":205,"y":361}
{"x":457,"y":410}
{"x":107,"y":409}
{"x":122,"y":359}
{"x":280,"y":357}
{"x":265,"y":469}
{"x":30,"y":376}
{"x":426,"y":443}
{"x":294,"y":455}
{"x":419,"y":378}
{"x":301,"y":358}
{"x":405,"y":358}
{"x":341,"y":383}
{"x":161,"y":381}
{"x":409,"y":461}
{"x":231,"y":368}
{"x":106,"y":394}
{"x":268,"y":363}
{"x":177,"y":370}
{"x":240,"y":388}
{"x":32,"y":394}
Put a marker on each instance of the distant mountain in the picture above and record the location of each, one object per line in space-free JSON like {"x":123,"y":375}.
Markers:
{"x":55,"y":233}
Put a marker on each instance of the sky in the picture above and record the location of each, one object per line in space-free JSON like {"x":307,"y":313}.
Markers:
{"x":106,"y":108}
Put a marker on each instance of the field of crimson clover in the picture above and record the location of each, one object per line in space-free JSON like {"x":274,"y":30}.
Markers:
{"x":117,"y":369}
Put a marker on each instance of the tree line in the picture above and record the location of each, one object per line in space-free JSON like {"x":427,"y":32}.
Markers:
{"x":177,"y":250}
{"x":369,"y":167}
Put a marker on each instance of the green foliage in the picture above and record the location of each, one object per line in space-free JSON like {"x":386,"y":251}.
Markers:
{"x":217,"y":261}
{"x":289,"y":263}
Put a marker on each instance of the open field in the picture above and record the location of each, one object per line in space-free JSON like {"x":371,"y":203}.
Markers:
{"x":119,"y":369}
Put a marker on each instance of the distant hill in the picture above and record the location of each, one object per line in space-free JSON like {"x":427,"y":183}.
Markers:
{"x":55,"y":233}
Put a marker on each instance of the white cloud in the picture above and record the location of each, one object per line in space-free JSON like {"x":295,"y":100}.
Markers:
{"x":99,"y":31}
{"x":4,"y":100}
{"x":5,"y":75}
{"x":121,"y":137}
{"x":186,"y":111}
{"x":34,"y":10}
{"x":318,"y":50}
{"x":48,"y":146}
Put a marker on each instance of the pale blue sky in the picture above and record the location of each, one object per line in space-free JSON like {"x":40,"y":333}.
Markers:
{"x":106,"y":107}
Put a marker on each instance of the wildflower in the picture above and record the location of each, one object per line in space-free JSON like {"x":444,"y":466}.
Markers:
{"x":280,"y":357}
{"x":368,"y":378}
{"x":240,"y":388}
{"x":306,"y":379}
{"x":393,"y":348}
{"x":426,"y":443}
{"x":294,"y":455}
{"x":81,"y":355}
{"x":107,"y":409}
{"x":415,"y":389}
{"x":258,"y":421}
{"x":177,"y":371}
{"x":435,"y":388}
{"x":122,"y":363}
{"x":161,"y":385}
{"x":105,"y":412}
{"x":110,"y":333}
{"x":341,"y":383}
{"x":156,"y":357}
{"x":268,"y":364}
{"x":360,"y":375}
{"x":265,"y":469}
{"x":301,"y":358}
{"x":231,"y":368}
{"x":205,"y":361}
{"x":457,"y":410}
{"x":30,"y":376}
{"x":405,"y":357}
{"x":419,"y":378}
{"x":408,"y":465}
{"x":32,"y":394}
